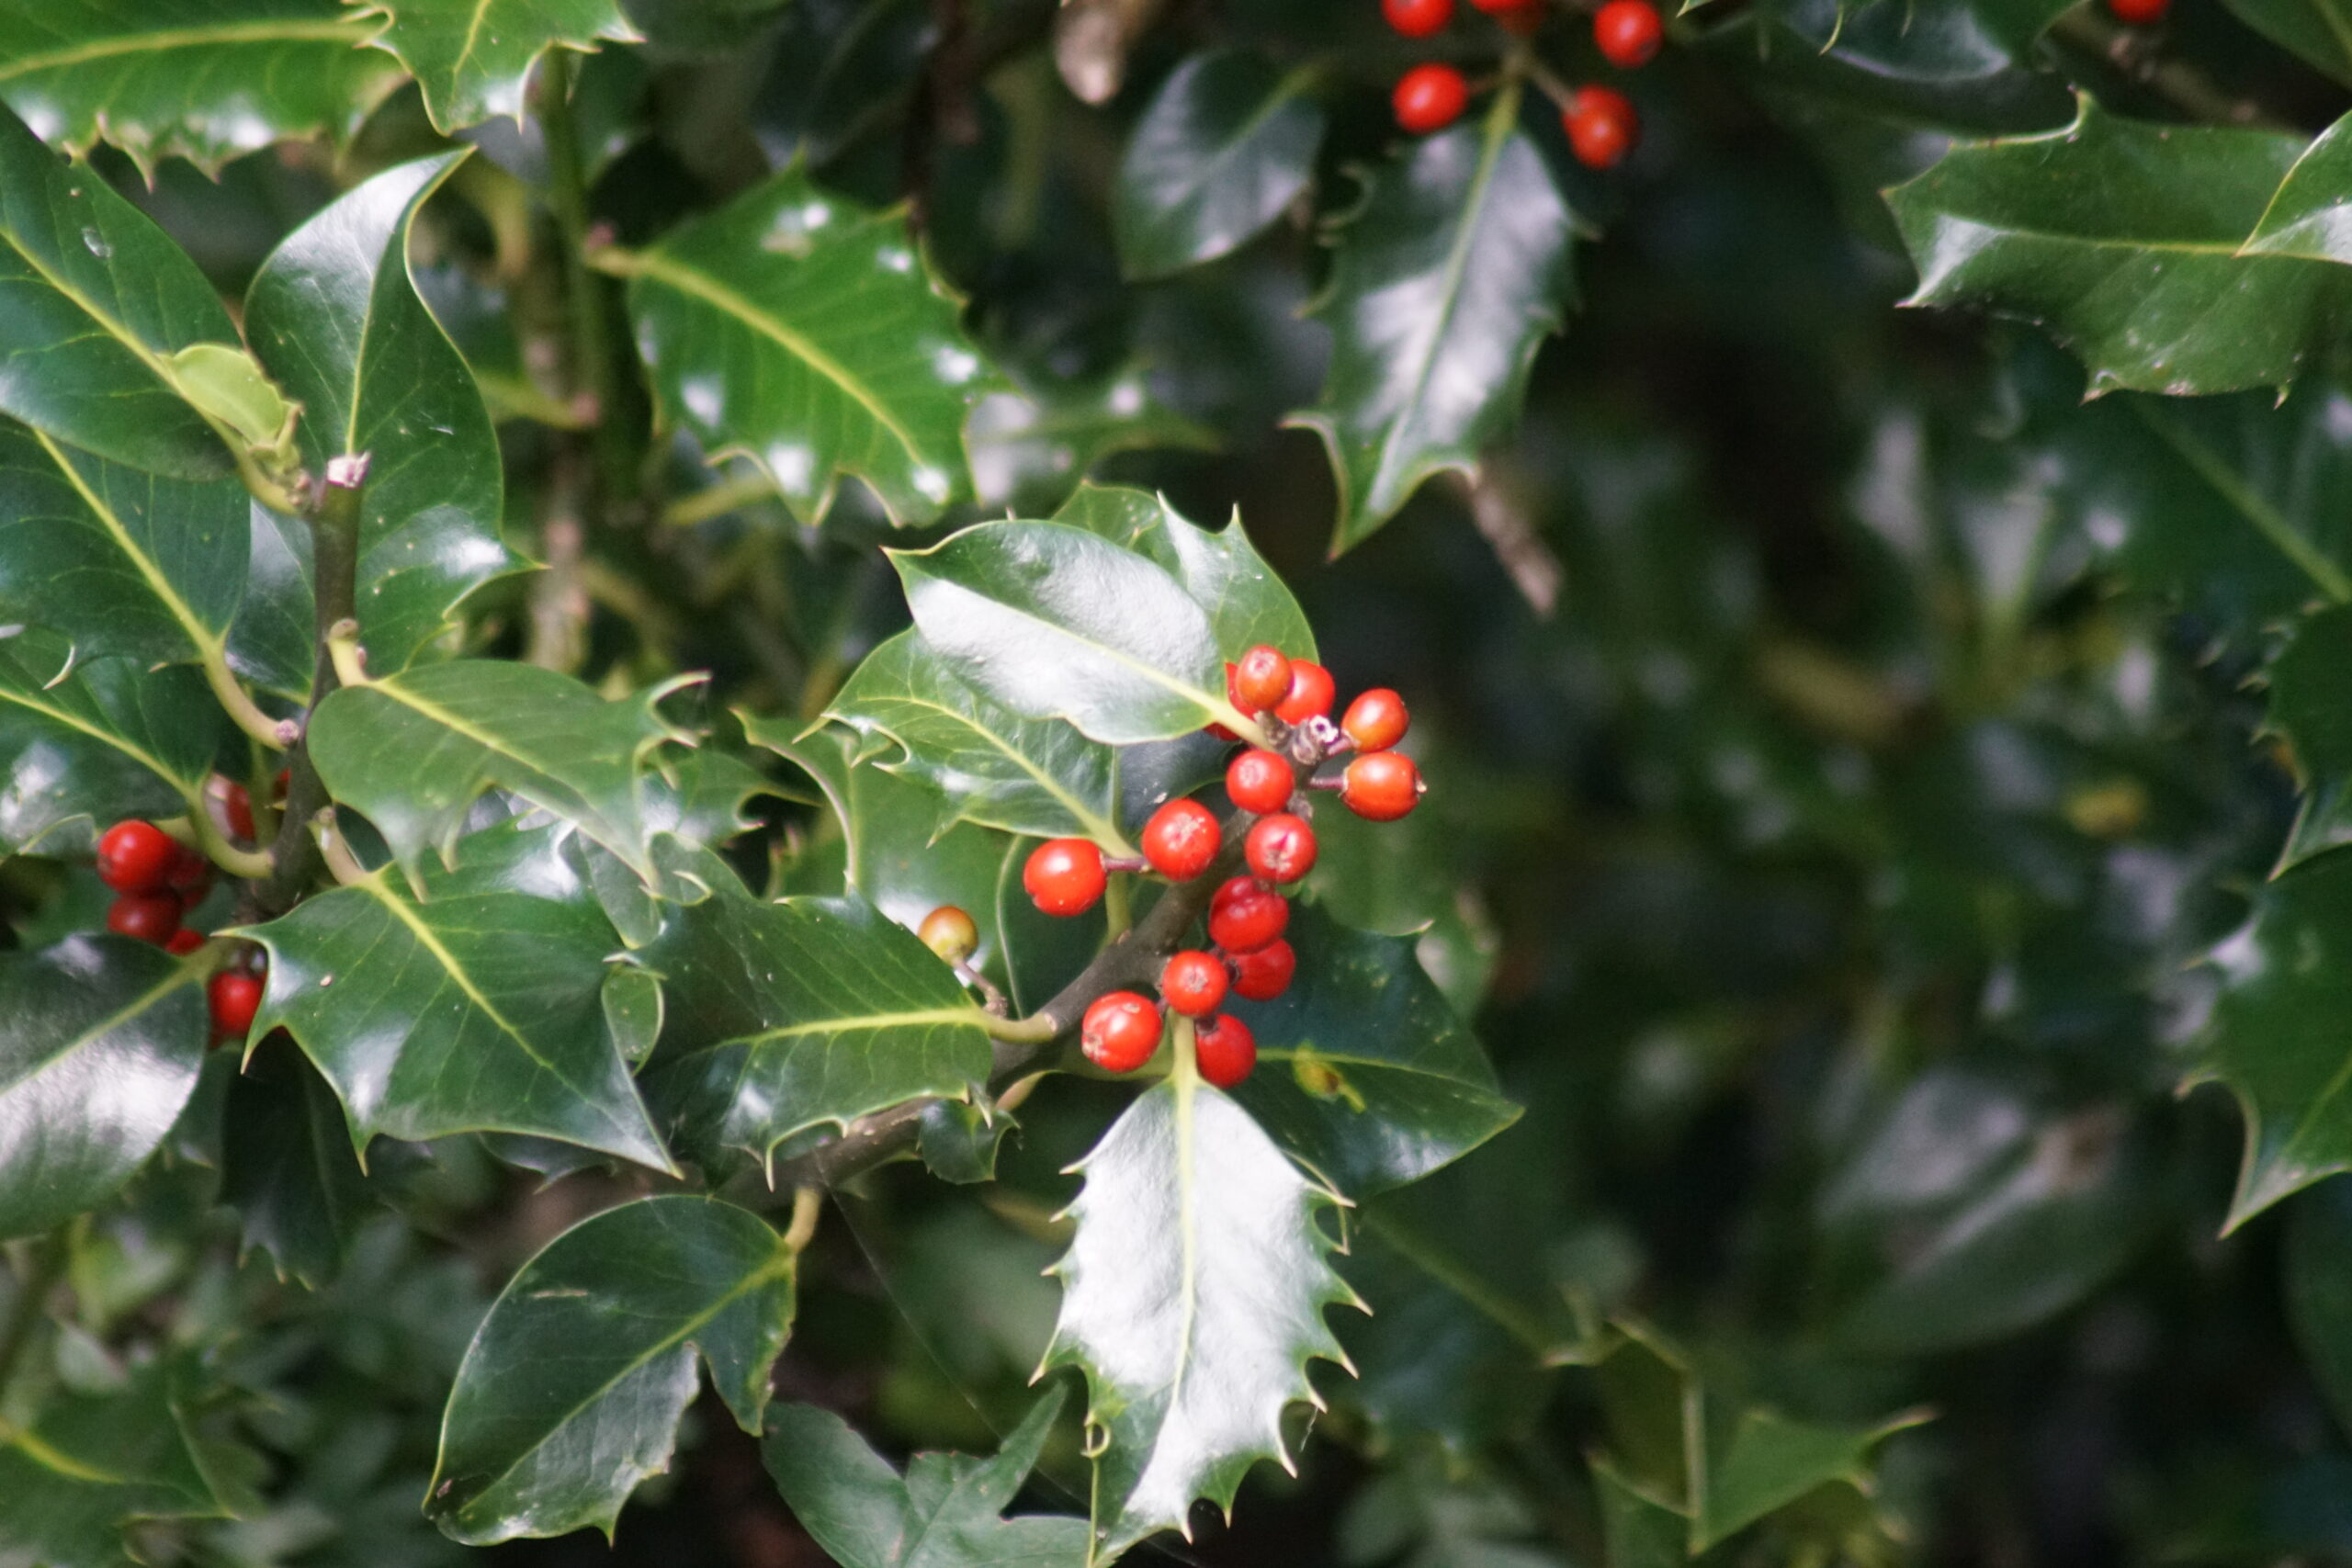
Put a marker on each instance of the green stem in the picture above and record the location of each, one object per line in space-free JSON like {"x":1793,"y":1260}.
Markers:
{"x":40,"y":1276}
{"x":334,"y":554}
{"x":592,"y":372}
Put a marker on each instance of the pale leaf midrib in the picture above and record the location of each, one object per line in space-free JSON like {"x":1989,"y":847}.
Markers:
{"x":146,"y":1002}
{"x":120,"y":45}
{"x":206,"y":641}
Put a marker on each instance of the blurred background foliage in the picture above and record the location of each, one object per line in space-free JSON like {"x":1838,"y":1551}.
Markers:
{"x":1849,"y":749}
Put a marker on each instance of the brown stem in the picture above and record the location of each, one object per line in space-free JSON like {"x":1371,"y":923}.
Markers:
{"x":2189,"y":89}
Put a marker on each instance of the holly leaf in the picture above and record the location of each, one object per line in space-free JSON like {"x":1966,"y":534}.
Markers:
{"x":1054,"y":622}
{"x":995,"y":768}
{"x":944,"y":1513}
{"x":99,"y":1049}
{"x":1443,"y":286}
{"x":790,"y":1016}
{"x":2318,"y":1288}
{"x":473,"y":58}
{"x":105,"y":740}
{"x":474,"y":1004}
{"x":1028,"y":445}
{"x":204,"y":80}
{"x":1247,"y":602}
{"x":1228,"y":144}
{"x":414,"y":752}
{"x":2122,"y":240}
{"x":2319,"y":31}
{"x":334,"y":314}
{"x":573,"y":1388}
{"x":1192,"y":1298}
{"x":93,"y":1465}
{"x":2273,"y":1038}
{"x":1365,"y":1073}
{"x":812,"y":337}
{"x":98,"y":301}
{"x":288,"y":1169}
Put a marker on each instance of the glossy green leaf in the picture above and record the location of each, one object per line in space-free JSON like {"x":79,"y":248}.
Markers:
{"x":2318,"y":1289}
{"x":474,"y":57}
{"x":959,"y":1140}
{"x":2122,"y":241}
{"x":336,"y":316}
{"x":571,"y":1391}
{"x":288,"y":1169}
{"x":1228,"y":144}
{"x":1193,"y":1296}
{"x":100,"y":1043}
{"x":1640,"y":1531}
{"x":2318,"y":30}
{"x":122,"y":561}
{"x":204,"y":80}
{"x":2273,"y":1038}
{"x":942,"y":1513}
{"x":93,"y":300}
{"x":1054,"y":622}
{"x":1365,"y":1073}
{"x":1035,"y":776}
{"x":810,"y":336}
{"x":1247,"y":602}
{"x":1444,"y":285}
{"x":476,"y":1006}
{"x":415,"y":750}
{"x":786,"y":1017}
{"x":96,"y":1464}
{"x":93,"y":742}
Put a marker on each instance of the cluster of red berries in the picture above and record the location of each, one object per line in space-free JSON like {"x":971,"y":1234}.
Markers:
{"x":1247,"y":916}
{"x":156,"y":879}
{"x":1601,"y":121}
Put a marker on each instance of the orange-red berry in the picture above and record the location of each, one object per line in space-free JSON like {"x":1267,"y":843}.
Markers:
{"x":1312,"y":692}
{"x":1428,"y":98}
{"x":145,"y":917}
{"x":1280,"y":848}
{"x":1263,"y":975}
{"x":1521,"y":21}
{"x":1376,"y":720}
{"x":1226,"y":1050}
{"x":949,"y":932}
{"x":2140,"y":12}
{"x":235,"y":997}
{"x":135,"y":857}
{"x":1064,"y":875}
{"x":1381,"y":785}
{"x":1260,"y":680}
{"x":1259,"y":782}
{"x":1417,"y":19}
{"x":1246,"y":915}
{"x":237,"y":809}
{"x":184,"y":941}
{"x":1120,"y":1031}
{"x":190,"y":875}
{"x":1603,"y":127}
{"x":1193,"y":984}
{"x":1628,"y":32}
{"x":1180,"y":840}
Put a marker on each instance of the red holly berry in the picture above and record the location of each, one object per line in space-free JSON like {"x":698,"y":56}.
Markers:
{"x":1628,"y":32}
{"x":1427,"y":97}
{"x":1261,"y":680}
{"x":135,"y":857}
{"x":1496,"y":7}
{"x":235,"y":997}
{"x":1263,"y":975}
{"x":1381,"y":786}
{"x":145,"y":917}
{"x":1120,"y":1031}
{"x":190,"y":873}
{"x":1602,"y":126}
{"x":1246,"y":915}
{"x":1376,"y":720}
{"x":1312,"y":692}
{"x":1521,"y":21}
{"x":1280,"y":848}
{"x":2140,"y":12}
{"x":1180,"y":840}
{"x":184,"y":941}
{"x":1226,"y":1050}
{"x":1193,"y":984}
{"x":1417,"y":19}
{"x":949,"y":932}
{"x":1064,"y":875}
{"x":237,"y":809}
{"x":1259,"y":782}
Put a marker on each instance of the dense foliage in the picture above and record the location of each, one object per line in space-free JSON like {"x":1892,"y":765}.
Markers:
{"x":547,"y":546}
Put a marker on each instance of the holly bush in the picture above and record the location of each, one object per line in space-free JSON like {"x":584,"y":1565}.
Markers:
{"x":935,"y":782}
